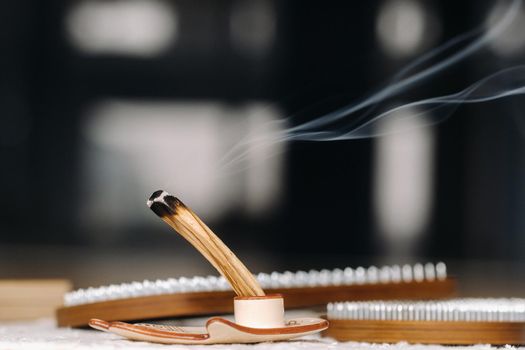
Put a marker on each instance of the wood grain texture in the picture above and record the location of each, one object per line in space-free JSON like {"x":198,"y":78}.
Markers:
{"x":209,"y":303}
{"x":29,"y":290}
{"x":427,"y":332}
{"x":22,"y":299}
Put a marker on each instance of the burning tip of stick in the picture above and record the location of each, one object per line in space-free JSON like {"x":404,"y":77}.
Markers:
{"x":157,"y":196}
{"x":163,"y":204}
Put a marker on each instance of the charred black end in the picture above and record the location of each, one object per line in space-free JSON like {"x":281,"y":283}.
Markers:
{"x":155,"y":195}
{"x":173,"y":202}
{"x":163,"y":204}
{"x":161,"y":209}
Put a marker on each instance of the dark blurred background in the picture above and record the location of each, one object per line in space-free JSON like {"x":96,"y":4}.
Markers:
{"x":103,"y":102}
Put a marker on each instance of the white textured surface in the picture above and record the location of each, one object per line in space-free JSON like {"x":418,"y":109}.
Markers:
{"x":313,"y":278}
{"x":44,"y":335}
{"x":471,"y":309}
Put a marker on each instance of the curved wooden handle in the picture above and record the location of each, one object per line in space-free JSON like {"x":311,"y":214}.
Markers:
{"x":194,"y":230}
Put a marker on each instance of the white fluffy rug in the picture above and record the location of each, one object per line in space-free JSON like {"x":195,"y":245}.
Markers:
{"x":43,"y":334}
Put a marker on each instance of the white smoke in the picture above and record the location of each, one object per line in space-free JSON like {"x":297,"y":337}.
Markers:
{"x":357,"y":120}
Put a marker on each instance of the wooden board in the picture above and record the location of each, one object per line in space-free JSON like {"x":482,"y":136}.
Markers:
{"x":32,"y":298}
{"x":427,"y":332}
{"x":209,"y":303}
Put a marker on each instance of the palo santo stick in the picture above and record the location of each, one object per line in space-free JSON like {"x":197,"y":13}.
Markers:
{"x":245,"y":273}
{"x":221,"y":258}
{"x":181,"y":218}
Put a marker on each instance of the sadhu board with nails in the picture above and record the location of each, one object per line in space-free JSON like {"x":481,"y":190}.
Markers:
{"x":301,"y":289}
{"x":496,"y":321}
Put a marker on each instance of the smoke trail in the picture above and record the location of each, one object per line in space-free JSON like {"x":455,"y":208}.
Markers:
{"x":507,"y":82}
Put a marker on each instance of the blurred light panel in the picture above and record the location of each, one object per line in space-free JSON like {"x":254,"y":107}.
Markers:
{"x":405,"y":27}
{"x":403,"y":180}
{"x":262,"y":189}
{"x":133,"y":148}
{"x":126,"y":27}
{"x":252,"y":26}
{"x":512,"y":40}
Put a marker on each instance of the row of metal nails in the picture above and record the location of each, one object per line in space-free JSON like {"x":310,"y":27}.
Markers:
{"x":470,"y":310}
{"x":312,"y":278}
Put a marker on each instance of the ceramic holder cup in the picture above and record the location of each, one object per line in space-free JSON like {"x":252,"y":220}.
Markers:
{"x":260,"y":311}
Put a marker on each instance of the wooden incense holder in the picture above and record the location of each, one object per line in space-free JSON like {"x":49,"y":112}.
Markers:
{"x":258,"y":317}
{"x":217,"y":331}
